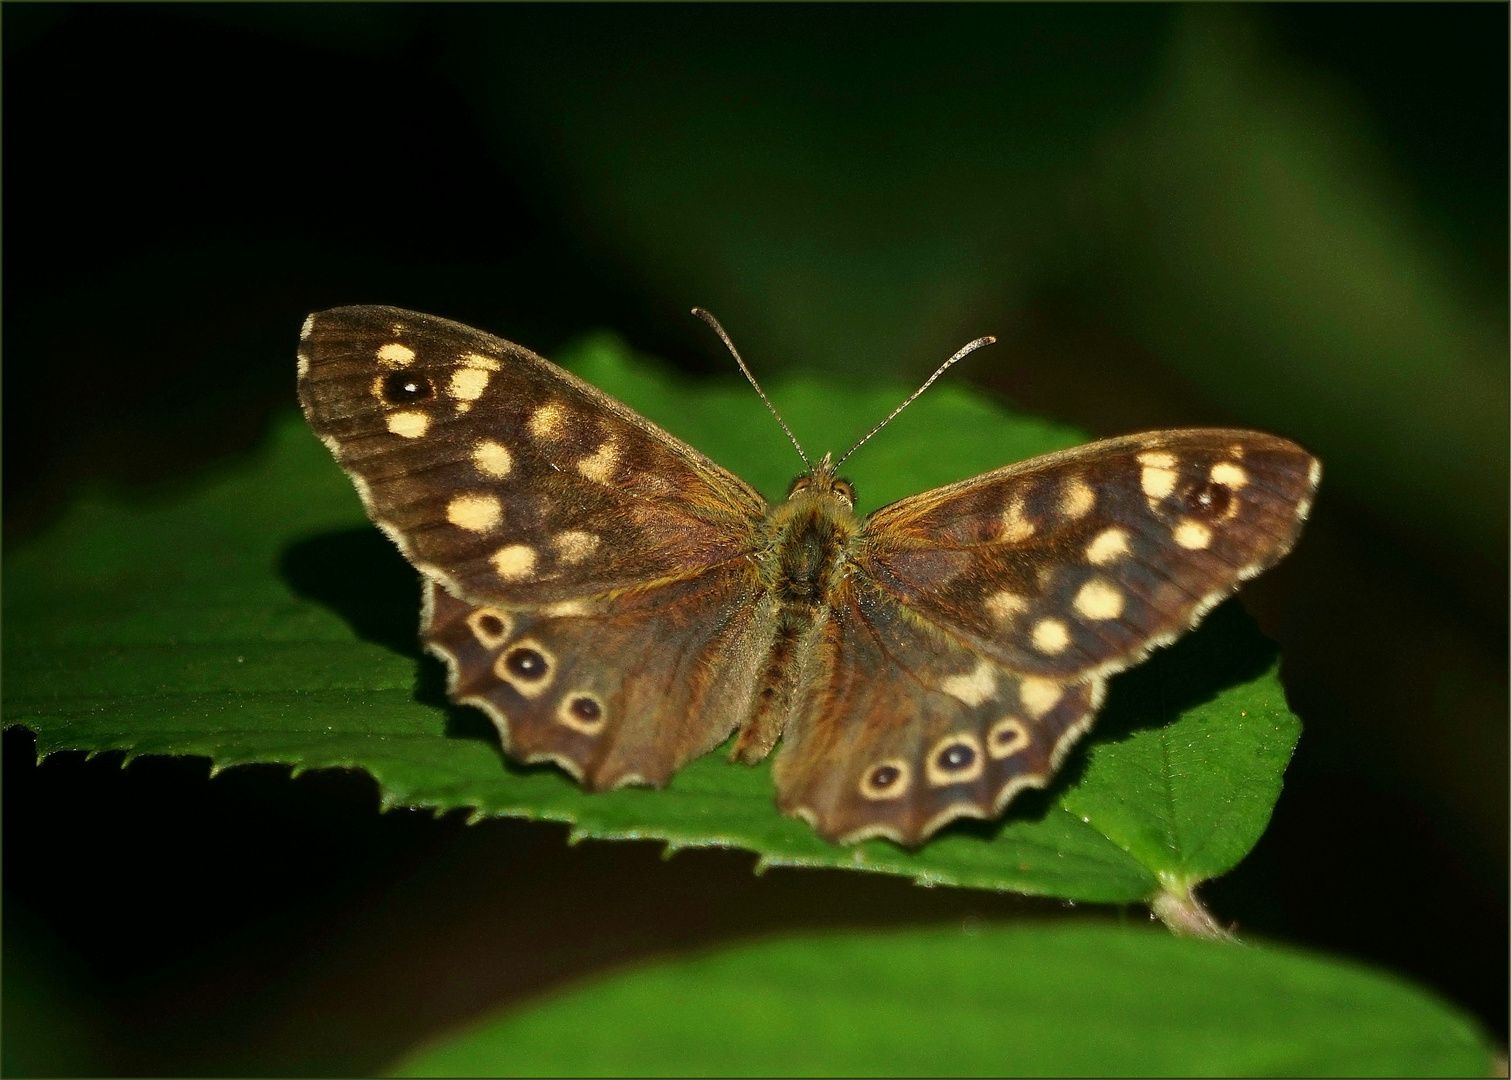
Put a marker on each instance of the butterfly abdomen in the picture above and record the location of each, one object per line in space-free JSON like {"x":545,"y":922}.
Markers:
{"x":802,"y":557}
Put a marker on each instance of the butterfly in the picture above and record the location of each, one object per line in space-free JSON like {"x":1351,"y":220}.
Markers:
{"x":619,"y":604}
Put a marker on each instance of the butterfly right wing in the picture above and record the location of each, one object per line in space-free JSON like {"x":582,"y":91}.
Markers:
{"x":1079,"y":562}
{"x":970,"y":648}
{"x":898,"y":728}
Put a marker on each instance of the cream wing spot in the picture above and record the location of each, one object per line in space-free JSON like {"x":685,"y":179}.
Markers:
{"x":547,"y":421}
{"x":1076,"y":500}
{"x":516,"y":562}
{"x":478,"y":360}
{"x":1015,"y":526}
{"x":573,"y":546}
{"x":1157,"y":459}
{"x":1192,"y":535}
{"x":1039,"y":695}
{"x":395,"y":355}
{"x":1314,"y":472}
{"x":599,"y":465}
{"x":303,"y":365}
{"x":308,"y":328}
{"x":1003,"y":605}
{"x":468,"y":383}
{"x":1108,"y":546}
{"x":492,"y":459}
{"x":1229,"y":474}
{"x":974,"y":687}
{"x":475,"y":513}
{"x":1157,"y":482}
{"x":409,"y":425}
{"x":1099,"y":599}
{"x":1050,"y":636}
{"x":564,"y":609}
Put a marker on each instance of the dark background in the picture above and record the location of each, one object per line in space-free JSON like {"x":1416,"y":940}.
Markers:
{"x":1290,"y":217}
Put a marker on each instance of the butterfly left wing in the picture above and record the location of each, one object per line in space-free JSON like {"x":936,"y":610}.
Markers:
{"x":503,"y":476}
{"x":587,"y":574}
{"x":621,"y":689}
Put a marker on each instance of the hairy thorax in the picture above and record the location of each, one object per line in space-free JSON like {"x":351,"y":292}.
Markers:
{"x":808,"y":551}
{"x":808,"y":541}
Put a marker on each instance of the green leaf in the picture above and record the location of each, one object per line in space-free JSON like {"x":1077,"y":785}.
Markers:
{"x":260,"y":618}
{"x":1087,"y":1000}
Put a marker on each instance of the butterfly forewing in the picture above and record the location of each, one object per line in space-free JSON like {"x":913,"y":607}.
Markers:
{"x":1077,"y":563}
{"x":504,"y":476}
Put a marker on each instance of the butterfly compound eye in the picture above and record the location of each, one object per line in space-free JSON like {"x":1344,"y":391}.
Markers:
{"x":800,"y":485}
{"x":845,"y":490}
{"x":400,"y":388}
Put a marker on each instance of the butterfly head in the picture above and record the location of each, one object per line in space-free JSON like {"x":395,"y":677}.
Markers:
{"x":820,"y":482}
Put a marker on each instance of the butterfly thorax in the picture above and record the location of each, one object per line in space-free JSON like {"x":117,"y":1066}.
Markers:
{"x":807,"y":539}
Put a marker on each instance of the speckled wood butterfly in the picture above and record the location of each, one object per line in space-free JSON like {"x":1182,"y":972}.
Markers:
{"x":619,"y":604}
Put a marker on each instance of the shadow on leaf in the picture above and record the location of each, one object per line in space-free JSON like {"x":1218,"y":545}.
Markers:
{"x":360,"y":575}
{"x":1227,"y":650}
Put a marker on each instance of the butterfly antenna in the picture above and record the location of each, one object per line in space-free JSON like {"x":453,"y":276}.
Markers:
{"x":707,"y":316}
{"x":961,"y":355}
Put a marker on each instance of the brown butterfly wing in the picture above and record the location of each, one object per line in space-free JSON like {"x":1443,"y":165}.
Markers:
{"x":501,"y":475}
{"x":900,"y":729}
{"x":962,"y":659}
{"x":1080,"y":562}
{"x":619,"y":690}
{"x":587,"y":579}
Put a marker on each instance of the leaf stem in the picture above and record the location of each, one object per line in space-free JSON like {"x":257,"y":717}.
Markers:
{"x":1179,"y":909}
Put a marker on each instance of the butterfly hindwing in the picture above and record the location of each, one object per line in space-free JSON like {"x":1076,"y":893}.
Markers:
{"x":901,"y":729}
{"x":500,"y":474}
{"x":1077,"y":563}
{"x":622,"y":690}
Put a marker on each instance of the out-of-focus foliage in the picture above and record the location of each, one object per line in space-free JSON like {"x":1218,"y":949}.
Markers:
{"x":1029,"y":1000}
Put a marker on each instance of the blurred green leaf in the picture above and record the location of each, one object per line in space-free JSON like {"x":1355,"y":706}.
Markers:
{"x":260,"y":619}
{"x":1066,"y":1000}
